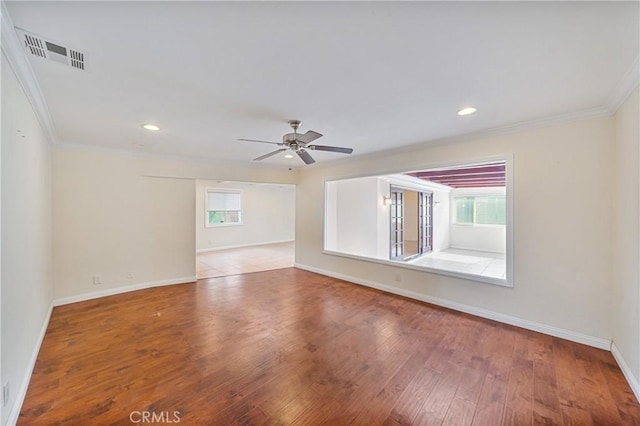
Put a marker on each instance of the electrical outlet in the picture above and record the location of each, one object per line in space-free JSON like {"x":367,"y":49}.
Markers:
{"x":5,"y":394}
{"x":129,"y":275}
{"x":398,"y":278}
{"x":97,"y":280}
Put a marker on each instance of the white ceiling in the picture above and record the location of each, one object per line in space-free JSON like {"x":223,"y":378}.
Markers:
{"x":368,"y":75}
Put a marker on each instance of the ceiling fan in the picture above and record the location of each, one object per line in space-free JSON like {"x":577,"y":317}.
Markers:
{"x":299,"y":144}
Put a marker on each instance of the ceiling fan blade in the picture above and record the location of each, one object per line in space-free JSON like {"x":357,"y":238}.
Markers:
{"x":277,"y":151}
{"x":331,"y":149}
{"x":308,"y":137}
{"x":305,"y":156}
{"x":254,"y":140}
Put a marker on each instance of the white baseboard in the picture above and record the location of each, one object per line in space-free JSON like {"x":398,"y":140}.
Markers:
{"x":205,"y":250}
{"x":122,"y":289}
{"x":24,"y":385}
{"x":633,"y":382}
{"x":507,"y":319}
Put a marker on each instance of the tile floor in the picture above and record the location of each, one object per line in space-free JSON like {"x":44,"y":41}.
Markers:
{"x":244,"y":260}
{"x":467,"y":261}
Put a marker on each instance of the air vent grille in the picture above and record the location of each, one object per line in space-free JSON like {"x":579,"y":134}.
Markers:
{"x":77,"y":59}
{"x":47,"y":49}
{"x":34,"y":44}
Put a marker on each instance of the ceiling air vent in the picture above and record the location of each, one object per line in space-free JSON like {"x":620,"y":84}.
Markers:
{"x":39,"y":46}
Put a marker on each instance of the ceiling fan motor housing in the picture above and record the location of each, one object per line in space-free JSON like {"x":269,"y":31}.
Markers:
{"x":289,"y":137}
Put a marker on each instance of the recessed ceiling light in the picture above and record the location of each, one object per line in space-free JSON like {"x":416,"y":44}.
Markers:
{"x":288,"y":156}
{"x":467,"y":111}
{"x":151,"y":127}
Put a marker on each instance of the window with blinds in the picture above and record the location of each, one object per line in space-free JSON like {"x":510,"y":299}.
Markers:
{"x":223,"y":207}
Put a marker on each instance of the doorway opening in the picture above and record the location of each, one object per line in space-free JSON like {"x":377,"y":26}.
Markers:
{"x":243,"y":227}
{"x":411,"y":221}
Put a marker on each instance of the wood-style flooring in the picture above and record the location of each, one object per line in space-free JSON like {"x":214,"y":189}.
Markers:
{"x":244,"y":260}
{"x":293,"y":347}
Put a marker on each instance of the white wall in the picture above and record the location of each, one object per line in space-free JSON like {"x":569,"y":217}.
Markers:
{"x":491,"y":238}
{"x":129,"y":219}
{"x":331,"y":217}
{"x":383,"y":213}
{"x":626,"y":235}
{"x":441,"y":221}
{"x":357,"y":221}
{"x":268,"y":215}
{"x":112,"y":222}
{"x":26,"y":238}
{"x":562,"y":266}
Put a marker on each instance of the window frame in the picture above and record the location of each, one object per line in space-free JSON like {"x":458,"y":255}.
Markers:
{"x":508,"y":158}
{"x":208,"y":224}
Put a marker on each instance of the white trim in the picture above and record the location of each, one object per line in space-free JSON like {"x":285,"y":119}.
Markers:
{"x":506,"y":319}
{"x":474,"y":249}
{"x":633,"y":382}
{"x":22,"y":392}
{"x":205,"y":250}
{"x":460,"y":161}
{"x":414,"y":183}
{"x":542,"y":122}
{"x":624,"y":88}
{"x":223,"y":224}
{"x":209,"y":161}
{"x":471,"y":277}
{"x":509,"y":238}
{"x":118,"y":290}
{"x":13,"y":51}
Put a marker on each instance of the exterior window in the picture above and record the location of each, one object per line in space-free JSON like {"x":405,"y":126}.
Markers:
{"x":223,"y":208}
{"x":464,"y":210}
{"x":481,"y":210}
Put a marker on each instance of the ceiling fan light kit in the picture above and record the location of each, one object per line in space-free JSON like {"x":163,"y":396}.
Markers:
{"x":299,"y":143}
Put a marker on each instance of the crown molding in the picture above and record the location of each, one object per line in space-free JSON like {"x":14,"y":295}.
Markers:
{"x":137,"y":154}
{"x":134,"y":153}
{"x":624,"y":88}
{"x":12,"y":50}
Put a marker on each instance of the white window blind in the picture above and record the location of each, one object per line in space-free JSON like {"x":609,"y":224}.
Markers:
{"x":223,"y":201}
{"x":223,"y":208}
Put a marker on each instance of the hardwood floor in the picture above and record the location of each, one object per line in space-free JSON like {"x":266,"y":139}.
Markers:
{"x":293,"y":347}
{"x":244,"y":260}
